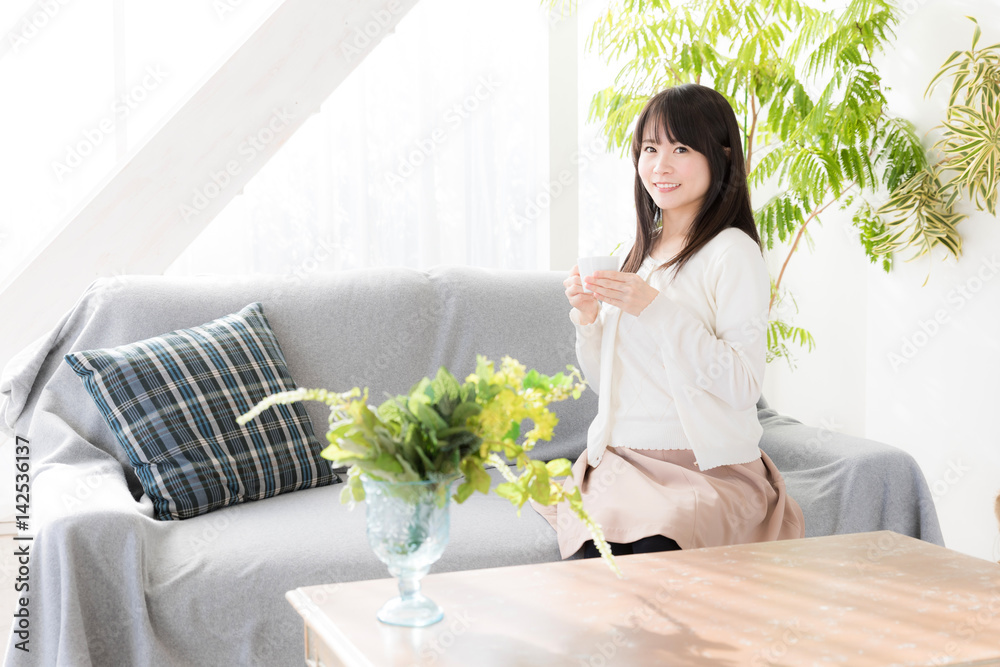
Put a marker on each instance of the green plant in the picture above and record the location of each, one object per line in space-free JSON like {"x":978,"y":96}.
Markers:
{"x":814,"y":117}
{"x":921,"y":211}
{"x":442,"y":430}
{"x":779,"y":332}
{"x":971,"y":142}
{"x":810,"y":102}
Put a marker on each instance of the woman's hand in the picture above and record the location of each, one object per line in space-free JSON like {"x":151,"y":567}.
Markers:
{"x":627,"y":291}
{"x":582,"y":301}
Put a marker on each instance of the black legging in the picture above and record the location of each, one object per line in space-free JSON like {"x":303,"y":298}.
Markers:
{"x":644,"y":546}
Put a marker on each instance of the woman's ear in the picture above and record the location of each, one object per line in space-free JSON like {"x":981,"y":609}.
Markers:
{"x":726,"y":148}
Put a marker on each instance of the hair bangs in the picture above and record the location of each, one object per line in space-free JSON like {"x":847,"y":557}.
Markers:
{"x":669,"y":114}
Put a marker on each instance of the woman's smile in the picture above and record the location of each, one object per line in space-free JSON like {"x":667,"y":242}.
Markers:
{"x":666,"y":187}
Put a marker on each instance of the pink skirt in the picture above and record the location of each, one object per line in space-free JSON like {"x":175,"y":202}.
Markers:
{"x":636,"y":493}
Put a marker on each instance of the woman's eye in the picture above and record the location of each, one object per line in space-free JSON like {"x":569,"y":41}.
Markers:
{"x":649,"y":149}
{"x":682,"y":149}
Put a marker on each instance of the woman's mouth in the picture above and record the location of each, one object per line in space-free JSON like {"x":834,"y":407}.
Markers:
{"x":666,"y":187}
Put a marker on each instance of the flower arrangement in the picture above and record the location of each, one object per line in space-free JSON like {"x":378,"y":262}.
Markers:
{"x":442,"y":429}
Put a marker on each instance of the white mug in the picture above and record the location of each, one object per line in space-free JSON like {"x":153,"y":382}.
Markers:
{"x":599,"y":263}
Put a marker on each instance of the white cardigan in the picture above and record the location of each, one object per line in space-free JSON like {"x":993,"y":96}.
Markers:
{"x":709,"y":327}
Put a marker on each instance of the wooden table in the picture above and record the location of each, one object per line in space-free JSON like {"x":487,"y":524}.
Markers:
{"x":864,"y":599}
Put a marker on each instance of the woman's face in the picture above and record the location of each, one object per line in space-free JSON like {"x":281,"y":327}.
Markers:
{"x":676,"y":177}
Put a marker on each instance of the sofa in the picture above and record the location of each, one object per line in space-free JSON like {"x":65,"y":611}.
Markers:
{"x":111,"y":585}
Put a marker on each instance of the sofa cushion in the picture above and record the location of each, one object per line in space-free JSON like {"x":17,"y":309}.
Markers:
{"x":172,"y":402}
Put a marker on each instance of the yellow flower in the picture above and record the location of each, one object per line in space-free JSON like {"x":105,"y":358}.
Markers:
{"x":545,"y":423}
{"x":490,"y":423}
{"x":512,"y":371}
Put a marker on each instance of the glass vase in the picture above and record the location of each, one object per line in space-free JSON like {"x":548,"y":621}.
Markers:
{"x":407,"y":526}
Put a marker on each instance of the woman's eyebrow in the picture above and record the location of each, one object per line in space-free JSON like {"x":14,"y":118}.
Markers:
{"x":651,"y":140}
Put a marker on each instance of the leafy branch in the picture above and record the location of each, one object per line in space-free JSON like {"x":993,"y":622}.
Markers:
{"x":443,"y":430}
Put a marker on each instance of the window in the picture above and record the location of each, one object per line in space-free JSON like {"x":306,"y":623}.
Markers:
{"x":430,"y":152}
{"x":84,"y":85}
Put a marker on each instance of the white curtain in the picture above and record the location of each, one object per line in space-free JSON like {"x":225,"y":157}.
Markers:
{"x":431,"y":152}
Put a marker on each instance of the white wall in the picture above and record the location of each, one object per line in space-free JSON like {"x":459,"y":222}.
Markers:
{"x":940,"y":404}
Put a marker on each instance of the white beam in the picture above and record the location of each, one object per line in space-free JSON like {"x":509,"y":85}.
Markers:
{"x":564,"y":176}
{"x":143,"y":216}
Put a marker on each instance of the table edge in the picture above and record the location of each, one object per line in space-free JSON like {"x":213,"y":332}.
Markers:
{"x":313,"y":617}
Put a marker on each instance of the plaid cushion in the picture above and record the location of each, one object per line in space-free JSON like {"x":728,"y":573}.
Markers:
{"x":172,"y":402}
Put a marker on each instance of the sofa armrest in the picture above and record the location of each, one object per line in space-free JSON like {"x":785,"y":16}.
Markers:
{"x":88,"y":553}
{"x":74,"y":491}
{"x":846,"y":484}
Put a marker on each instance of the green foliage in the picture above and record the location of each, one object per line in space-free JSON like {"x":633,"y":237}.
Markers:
{"x":780,"y":332}
{"x":813,"y":114}
{"x":918,"y":217}
{"x":870,"y":226}
{"x":442,"y":430}
{"x":811,"y":104}
{"x":920,"y":212}
{"x":971,"y":142}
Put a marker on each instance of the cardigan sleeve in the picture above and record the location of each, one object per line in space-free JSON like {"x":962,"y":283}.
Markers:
{"x":729,"y":362}
{"x":588,"y":347}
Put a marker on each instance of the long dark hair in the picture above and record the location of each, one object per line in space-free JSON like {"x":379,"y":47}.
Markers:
{"x":702,"y":119}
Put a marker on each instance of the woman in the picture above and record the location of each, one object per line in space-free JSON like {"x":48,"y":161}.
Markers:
{"x":675,"y":345}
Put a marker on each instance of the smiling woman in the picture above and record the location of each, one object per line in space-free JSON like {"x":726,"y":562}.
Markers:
{"x":677,"y":358}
